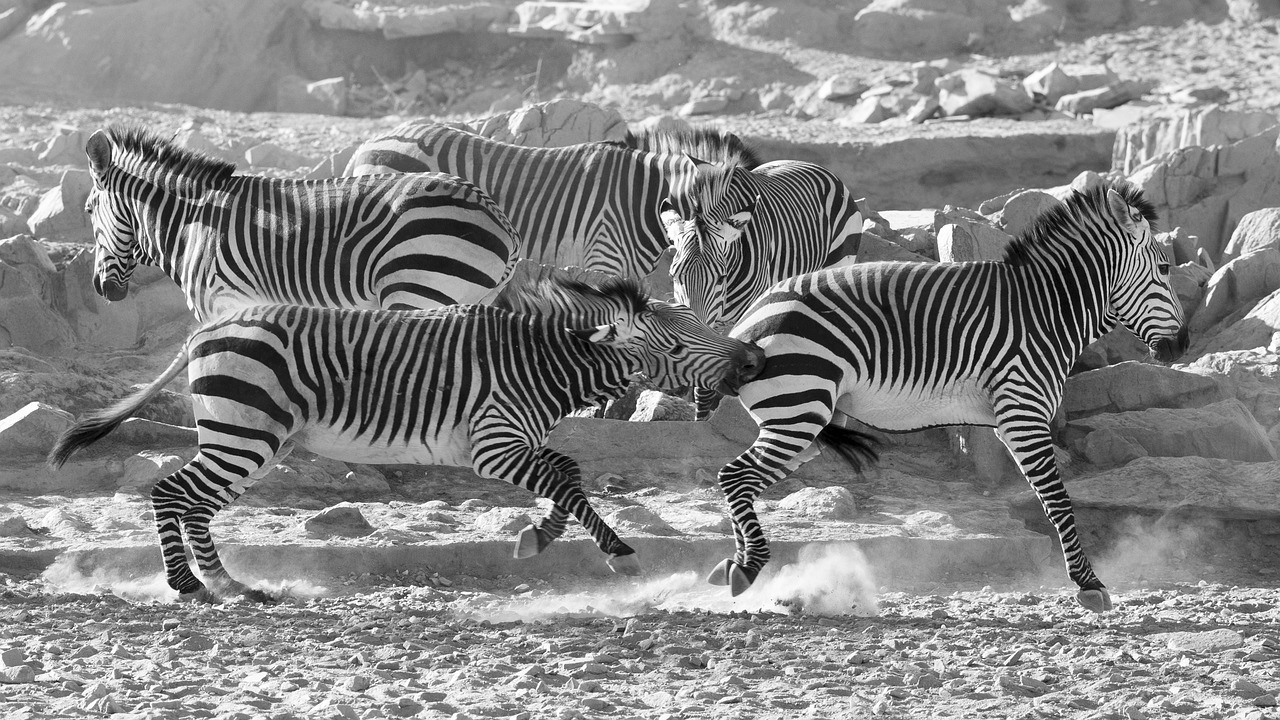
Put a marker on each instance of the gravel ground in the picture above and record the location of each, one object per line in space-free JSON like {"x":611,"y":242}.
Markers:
{"x":470,"y":650}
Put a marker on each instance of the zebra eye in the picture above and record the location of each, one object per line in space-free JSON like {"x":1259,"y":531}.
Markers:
{"x":679,"y":351}
{"x":1163,"y":268}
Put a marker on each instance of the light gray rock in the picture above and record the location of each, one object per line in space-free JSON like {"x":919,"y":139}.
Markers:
{"x":1086,"y":101}
{"x":976,"y":93}
{"x":1258,"y":230}
{"x":906,"y":28}
{"x":341,"y":520}
{"x":867,"y":110}
{"x":1050,"y":82}
{"x":638,"y":518}
{"x":32,"y":429}
{"x":270,"y":155}
{"x":502,"y":520}
{"x":653,"y":405}
{"x":1206,"y":191}
{"x":1021,"y":209}
{"x":1255,"y":326}
{"x":841,"y":87}
{"x":295,"y":94}
{"x":555,"y":123}
{"x":964,"y":239}
{"x":27,"y":286}
{"x":334,"y":165}
{"x":154,"y":301}
{"x":828,"y":503}
{"x":1131,"y":386}
{"x":1224,"y":429}
{"x":60,"y":215}
{"x":1176,"y":489}
{"x":1243,"y":280}
{"x":1253,"y":375}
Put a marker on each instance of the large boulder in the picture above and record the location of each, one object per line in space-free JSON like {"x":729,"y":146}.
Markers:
{"x":914,"y":28}
{"x":1243,"y":280}
{"x":1177,"y":492}
{"x":154,"y":300}
{"x":1253,"y":376}
{"x":1224,"y":429}
{"x":1255,"y":326}
{"x":1163,"y":129}
{"x":1258,"y":230}
{"x":27,"y":315}
{"x":1128,"y":386}
{"x":554,"y":123}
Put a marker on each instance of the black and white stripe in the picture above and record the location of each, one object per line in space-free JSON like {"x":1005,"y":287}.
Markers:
{"x":905,"y":346}
{"x":395,"y":241}
{"x":593,"y":205}
{"x":472,"y":386}
{"x":737,"y":230}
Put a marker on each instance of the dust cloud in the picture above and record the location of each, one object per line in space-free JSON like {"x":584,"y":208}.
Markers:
{"x":1147,"y":548}
{"x":67,"y":576}
{"x":825,"y":580}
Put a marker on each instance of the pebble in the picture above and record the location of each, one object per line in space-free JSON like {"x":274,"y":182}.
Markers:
{"x":17,"y":674}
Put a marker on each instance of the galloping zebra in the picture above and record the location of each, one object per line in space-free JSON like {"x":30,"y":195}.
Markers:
{"x":594,"y":205}
{"x":473,"y":386}
{"x":738,"y":230}
{"x":906,"y":346}
{"x":401,"y":241}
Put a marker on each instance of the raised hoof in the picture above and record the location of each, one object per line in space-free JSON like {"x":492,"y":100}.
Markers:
{"x":624,"y":564}
{"x":529,"y":543}
{"x":730,"y":573}
{"x":1097,"y":600}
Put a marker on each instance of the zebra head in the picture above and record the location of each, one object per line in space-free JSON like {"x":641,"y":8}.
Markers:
{"x":1142,"y":298}
{"x":113,"y":224}
{"x":668,"y":342}
{"x":704,"y":224}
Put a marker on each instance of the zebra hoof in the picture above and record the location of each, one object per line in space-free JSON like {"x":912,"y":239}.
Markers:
{"x":624,"y":564}
{"x":202,"y":595}
{"x":1097,"y":600}
{"x":529,"y":543}
{"x":730,"y":573}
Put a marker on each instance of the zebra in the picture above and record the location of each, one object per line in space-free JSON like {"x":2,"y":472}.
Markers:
{"x":906,"y":346}
{"x":466,"y":385}
{"x":738,"y":230}
{"x":391,"y":242}
{"x":593,"y":205}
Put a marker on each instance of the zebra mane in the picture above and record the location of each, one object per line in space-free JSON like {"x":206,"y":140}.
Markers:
{"x":703,"y":142}
{"x":1064,"y":219}
{"x":562,"y":297}
{"x":188,"y":170}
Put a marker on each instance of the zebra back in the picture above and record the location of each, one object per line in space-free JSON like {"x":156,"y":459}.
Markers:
{"x":594,"y":205}
{"x":395,"y":241}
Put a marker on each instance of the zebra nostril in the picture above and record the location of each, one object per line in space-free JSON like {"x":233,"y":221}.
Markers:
{"x":753,"y":364}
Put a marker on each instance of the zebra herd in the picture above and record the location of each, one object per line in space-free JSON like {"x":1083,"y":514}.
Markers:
{"x":355,"y":317}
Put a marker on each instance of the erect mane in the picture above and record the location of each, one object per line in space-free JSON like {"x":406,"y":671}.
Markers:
{"x":1064,"y":219}
{"x":572,"y":299}
{"x":187,"y":169}
{"x":704,"y":143}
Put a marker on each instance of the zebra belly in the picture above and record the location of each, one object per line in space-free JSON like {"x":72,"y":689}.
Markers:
{"x":902,"y":409}
{"x":447,"y":447}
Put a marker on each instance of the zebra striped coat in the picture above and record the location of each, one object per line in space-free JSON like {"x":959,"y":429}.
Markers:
{"x":905,"y":346}
{"x":401,"y":241}
{"x":737,"y":230}
{"x":474,"y":386}
{"x":594,"y":205}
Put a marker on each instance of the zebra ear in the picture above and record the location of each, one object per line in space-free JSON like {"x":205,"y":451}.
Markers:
{"x":740,"y":219}
{"x":599,"y":334}
{"x":1128,"y":217}
{"x":98,"y":148}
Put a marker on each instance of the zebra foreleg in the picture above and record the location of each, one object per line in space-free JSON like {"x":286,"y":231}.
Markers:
{"x":499,"y":451}
{"x":1032,"y":448}
{"x":220,"y":584}
{"x":536,"y":537}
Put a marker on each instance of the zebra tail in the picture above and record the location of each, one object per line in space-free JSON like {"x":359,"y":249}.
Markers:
{"x":96,"y":425}
{"x":858,"y":448}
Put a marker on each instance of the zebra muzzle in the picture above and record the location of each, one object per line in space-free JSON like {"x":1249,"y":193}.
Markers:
{"x":749,"y":364}
{"x":1169,"y":349}
{"x":111,"y":290}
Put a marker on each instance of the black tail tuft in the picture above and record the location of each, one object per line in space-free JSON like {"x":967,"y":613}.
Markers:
{"x":85,"y":432}
{"x":858,"y":448}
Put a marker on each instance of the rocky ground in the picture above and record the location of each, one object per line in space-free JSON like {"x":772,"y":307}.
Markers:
{"x":1191,"y":637}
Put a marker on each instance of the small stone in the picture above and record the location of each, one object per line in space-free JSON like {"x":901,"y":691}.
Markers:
{"x":17,"y":674}
{"x":1268,"y":700}
{"x":169,"y":624}
{"x":13,"y":657}
{"x":1246,"y":688}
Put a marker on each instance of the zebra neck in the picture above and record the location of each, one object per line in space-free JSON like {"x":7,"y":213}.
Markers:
{"x":1067,"y":302}
{"x":163,"y":220}
{"x":602,"y":372}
